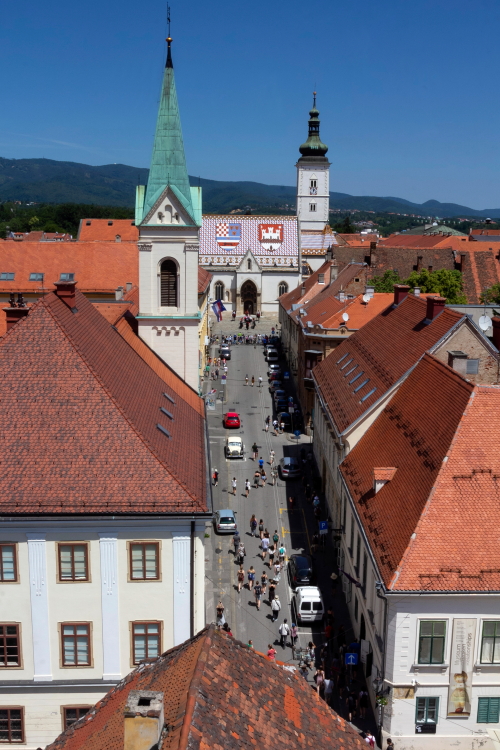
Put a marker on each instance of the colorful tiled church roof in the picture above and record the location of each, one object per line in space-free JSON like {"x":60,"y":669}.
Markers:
{"x":217,"y":693}
{"x":88,"y":425}
{"x":224,"y":240}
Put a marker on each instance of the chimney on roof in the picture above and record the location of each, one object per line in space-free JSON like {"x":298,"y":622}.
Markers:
{"x":382,"y":475}
{"x":303,"y":290}
{"x":370,"y":291}
{"x":420,"y":259}
{"x":66,"y":291}
{"x":16,"y":311}
{"x":321,"y":278}
{"x":119,"y":293}
{"x":463,"y":259}
{"x":334,"y":270}
{"x":495,"y":322}
{"x":144,"y":720}
{"x":416,"y":291}
{"x":129,"y":286}
{"x":373,"y":257}
{"x":400,"y":293}
{"x":329,"y":253}
{"x":341,"y":297}
{"x":435,"y":305}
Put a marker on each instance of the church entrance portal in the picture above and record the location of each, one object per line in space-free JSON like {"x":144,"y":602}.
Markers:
{"x":249,"y":297}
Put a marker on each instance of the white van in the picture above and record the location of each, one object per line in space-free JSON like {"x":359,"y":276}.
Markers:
{"x":308,"y":605}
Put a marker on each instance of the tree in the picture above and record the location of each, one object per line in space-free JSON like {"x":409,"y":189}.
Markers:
{"x":386,"y":282}
{"x":448,"y":284}
{"x":491,"y":295}
{"x":345,"y":226}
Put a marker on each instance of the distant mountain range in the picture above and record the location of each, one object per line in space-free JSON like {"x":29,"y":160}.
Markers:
{"x":48,"y":181}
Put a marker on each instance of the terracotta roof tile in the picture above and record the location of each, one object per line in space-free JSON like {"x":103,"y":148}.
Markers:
{"x":414,"y":240}
{"x":105,"y":230}
{"x":413,"y":434}
{"x":359,"y":312}
{"x":80,"y":409}
{"x":218,"y":694}
{"x":383,"y":350}
{"x":204,"y":279}
{"x":358,"y":240}
{"x":113,"y":311}
{"x":381,"y":474}
{"x":311,"y":287}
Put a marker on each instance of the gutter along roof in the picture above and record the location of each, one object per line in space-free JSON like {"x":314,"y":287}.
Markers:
{"x":80,"y":410}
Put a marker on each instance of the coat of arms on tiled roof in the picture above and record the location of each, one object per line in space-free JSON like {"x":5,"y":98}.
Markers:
{"x":273,"y":240}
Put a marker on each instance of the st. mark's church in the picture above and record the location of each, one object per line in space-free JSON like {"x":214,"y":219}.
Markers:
{"x":253,"y":260}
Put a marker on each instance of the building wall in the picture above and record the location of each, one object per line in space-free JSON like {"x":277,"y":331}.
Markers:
{"x":109,"y":601}
{"x":320,"y":172}
{"x":476,"y":347}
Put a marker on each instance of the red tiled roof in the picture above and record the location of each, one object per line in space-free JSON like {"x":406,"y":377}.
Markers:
{"x":204,"y":279}
{"x":102,"y":266}
{"x":356,"y":240}
{"x":487,"y":232}
{"x":481,"y":268}
{"x":415,"y":240}
{"x":218,"y":694}
{"x":105,"y":230}
{"x":359,"y":312}
{"x":113,"y":311}
{"x":384,"y":350}
{"x":310,"y":285}
{"x":414,"y":433}
{"x":80,"y":409}
{"x":381,"y":474}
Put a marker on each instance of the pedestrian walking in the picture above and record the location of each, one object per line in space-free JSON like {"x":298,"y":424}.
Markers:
{"x":328,"y":691}
{"x":250,"y":643}
{"x":311,"y":653}
{"x":351,"y":705}
{"x":363,"y":704}
{"x":271,"y":457}
{"x":265,"y":546}
{"x":263,"y":582}
{"x":261,"y":528}
{"x":263,"y":477}
{"x":241,"y":553}
{"x":294,"y":634}
{"x":256,"y":479}
{"x":236,"y":540}
{"x":215,"y":477}
{"x":251,"y":577}
{"x":277,"y":571}
{"x":266,"y":534}
{"x":370,"y":740}
{"x":258,"y":594}
{"x":319,"y":679}
{"x":276,"y":538}
{"x":253,"y":524}
{"x":390,"y":744}
{"x":253,"y":381}
{"x":261,"y":463}
{"x":274,"y":475}
{"x":272,"y":591}
{"x":275,"y":425}
{"x":234,"y":482}
{"x":255,"y":451}
{"x":260,"y":381}
{"x":281,"y":554}
{"x":241,"y":578}
{"x":271,"y":653}
{"x":246,"y":379}
{"x":284,"y":631}
{"x":266,"y":423}
{"x":247,"y":487}
{"x":220,"y":614}
{"x":304,"y":671}
{"x":275,"y":607}
{"x":282,"y":427}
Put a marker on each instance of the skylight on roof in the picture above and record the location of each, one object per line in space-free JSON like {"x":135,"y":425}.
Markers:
{"x":361,"y":385}
{"x":346,"y":364}
{"x":164,"y":430}
{"x":7,"y":276}
{"x":349,"y":371}
{"x":356,"y":377}
{"x":169,"y":398}
{"x":340,"y":360}
{"x":36,"y":276}
{"x":67,"y":277}
{"x":368,"y":395}
{"x":164,"y":411}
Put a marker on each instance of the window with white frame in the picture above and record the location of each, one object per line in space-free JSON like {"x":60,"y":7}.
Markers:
{"x":490,"y":642}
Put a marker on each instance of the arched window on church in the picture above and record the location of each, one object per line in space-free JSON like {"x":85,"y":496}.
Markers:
{"x":249,"y":264}
{"x":282,"y":288}
{"x":219,"y":290}
{"x":168,"y":284}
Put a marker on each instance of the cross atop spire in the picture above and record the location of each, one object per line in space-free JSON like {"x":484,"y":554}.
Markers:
{"x":169,"y":63}
{"x":313,"y":147}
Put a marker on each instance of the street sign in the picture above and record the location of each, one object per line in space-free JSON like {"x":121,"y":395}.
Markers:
{"x":223,"y":380}
{"x":297,"y":433}
{"x":291,"y":409}
{"x":351,"y":660}
{"x":286,"y":376}
{"x":323,"y":527}
{"x":290,"y":399}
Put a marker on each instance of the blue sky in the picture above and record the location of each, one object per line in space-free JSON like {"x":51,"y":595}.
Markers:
{"x":408,"y":91}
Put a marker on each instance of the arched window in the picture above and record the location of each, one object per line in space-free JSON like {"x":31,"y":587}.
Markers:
{"x":249,"y":264}
{"x":219,"y":290}
{"x":282,"y":288}
{"x":168,"y":284}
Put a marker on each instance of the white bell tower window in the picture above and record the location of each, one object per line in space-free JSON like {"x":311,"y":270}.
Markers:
{"x":312,"y":207}
{"x":313,"y":185}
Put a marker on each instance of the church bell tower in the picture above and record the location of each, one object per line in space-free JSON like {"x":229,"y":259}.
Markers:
{"x":313,"y":183}
{"x":168,"y":216}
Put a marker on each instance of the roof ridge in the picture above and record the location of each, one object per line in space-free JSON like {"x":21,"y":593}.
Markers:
{"x":131,"y":424}
{"x":194,"y":685}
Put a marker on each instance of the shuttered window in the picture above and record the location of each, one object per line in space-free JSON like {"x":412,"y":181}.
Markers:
{"x":488,"y":710}
{"x":168,"y":284}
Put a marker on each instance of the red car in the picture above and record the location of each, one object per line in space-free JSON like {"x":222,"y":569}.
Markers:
{"x":232,"y":419}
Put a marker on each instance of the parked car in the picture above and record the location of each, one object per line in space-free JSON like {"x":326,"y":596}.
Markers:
{"x":301,"y":570}
{"x":307,"y":605}
{"x":273,"y":368}
{"x":232,"y":419}
{"x":273,"y":356}
{"x":275,"y":385}
{"x":234,"y":447}
{"x":225,"y":352}
{"x":281,"y":405}
{"x":275,"y":376}
{"x":279,"y":394}
{"x":285,"y":418}
{"x":289,"y":468}
{"x":225,"y":521}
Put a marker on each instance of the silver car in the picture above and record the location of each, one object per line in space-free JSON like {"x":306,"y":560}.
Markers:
{"x":225,"y":521}
{"x":289,"y":468}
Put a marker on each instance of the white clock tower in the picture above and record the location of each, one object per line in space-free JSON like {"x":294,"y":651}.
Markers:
{"x":313,"y":183}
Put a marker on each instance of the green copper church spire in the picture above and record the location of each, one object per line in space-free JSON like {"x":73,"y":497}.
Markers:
{"x":313,"y":146}
{"x":168,"y":162}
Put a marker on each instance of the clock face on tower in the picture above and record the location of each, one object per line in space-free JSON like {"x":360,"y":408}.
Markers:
{"x":313,"y":191}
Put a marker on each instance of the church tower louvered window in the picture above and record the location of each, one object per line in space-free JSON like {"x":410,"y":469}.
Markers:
{"x":168,"y":284}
